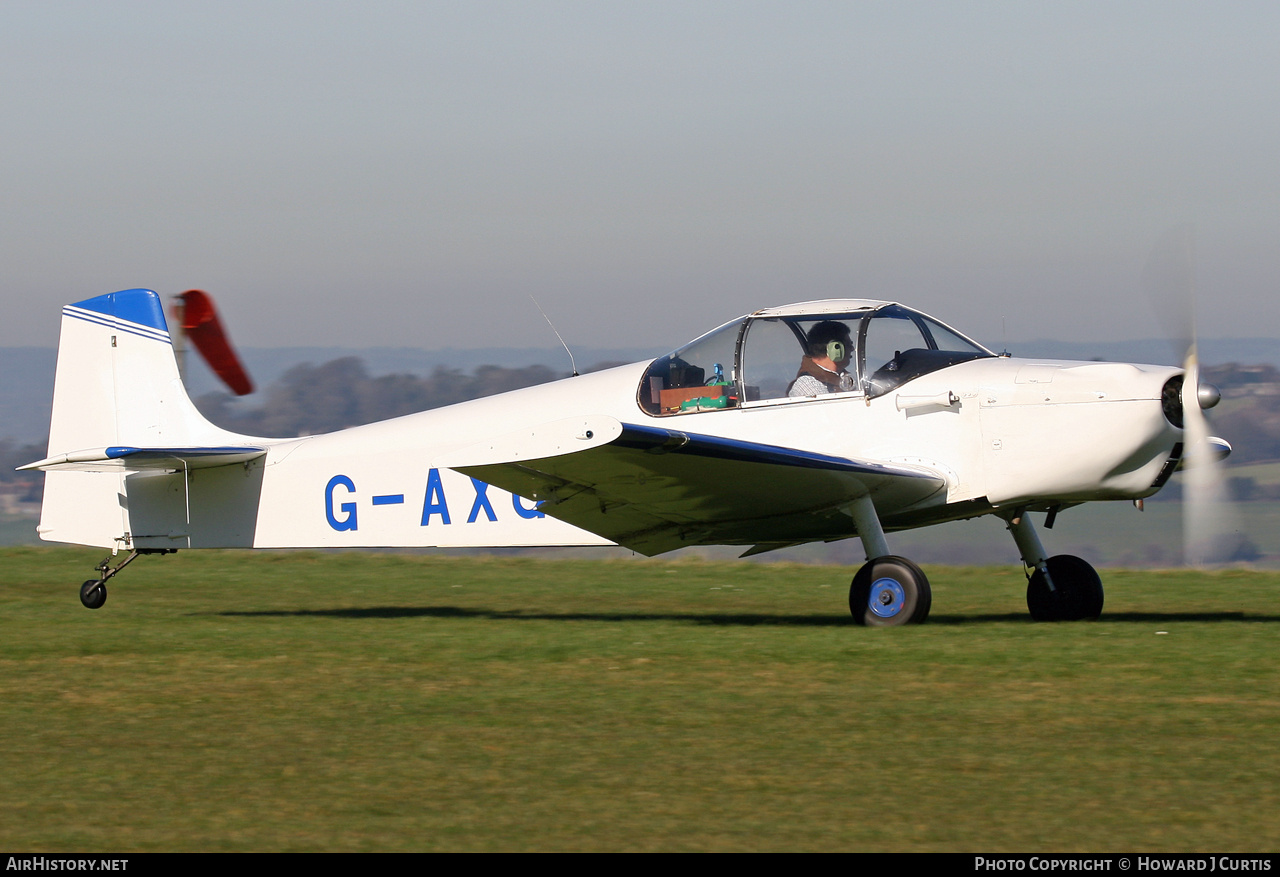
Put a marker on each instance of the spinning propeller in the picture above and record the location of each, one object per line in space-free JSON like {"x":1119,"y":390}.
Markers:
{"x":1209,"y":525}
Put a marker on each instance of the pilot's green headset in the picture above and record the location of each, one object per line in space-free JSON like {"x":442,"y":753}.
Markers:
{"x":837,"y":348}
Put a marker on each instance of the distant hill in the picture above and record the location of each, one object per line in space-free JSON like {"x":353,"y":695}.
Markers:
{"x":268,"y":364}
{"x":26,"y":393}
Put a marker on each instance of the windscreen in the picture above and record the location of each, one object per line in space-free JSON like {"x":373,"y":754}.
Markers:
{"x":899,"y":345}
{"x":700,"y":376}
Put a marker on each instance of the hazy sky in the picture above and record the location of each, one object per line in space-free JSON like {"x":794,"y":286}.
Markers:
{"x":408,"y":173}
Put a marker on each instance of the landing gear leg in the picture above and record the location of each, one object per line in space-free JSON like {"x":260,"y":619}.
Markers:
{"x":888,"y":590}
{"x":1059,"y":588}
{"x":93,"y":593}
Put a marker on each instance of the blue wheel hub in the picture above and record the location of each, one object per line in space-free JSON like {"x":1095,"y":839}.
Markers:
{"x":887,"y":597}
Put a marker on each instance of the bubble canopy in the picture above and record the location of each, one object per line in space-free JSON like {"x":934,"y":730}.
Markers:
{"x":802,"y":352}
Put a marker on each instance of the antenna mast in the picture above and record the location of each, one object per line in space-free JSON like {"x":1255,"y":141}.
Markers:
{"x":572,"y":364}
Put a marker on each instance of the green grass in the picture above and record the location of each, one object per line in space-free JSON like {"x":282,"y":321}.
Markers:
{"x":306,"y":701}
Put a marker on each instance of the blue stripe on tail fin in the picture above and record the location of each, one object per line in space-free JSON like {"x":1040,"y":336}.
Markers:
{"x":132,"y":310}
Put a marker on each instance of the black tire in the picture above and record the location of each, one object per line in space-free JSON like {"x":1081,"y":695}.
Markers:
{"x":93,"y":594}
{"x":1077,"y":593}
{"x":888,"y":592}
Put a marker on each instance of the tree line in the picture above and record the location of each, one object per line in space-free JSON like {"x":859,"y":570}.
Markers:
{"x":311,"y":399}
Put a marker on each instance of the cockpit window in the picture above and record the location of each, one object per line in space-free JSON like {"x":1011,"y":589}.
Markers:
{"x":700,"y":376}
{"x":887,"y":336}
{"x":900,"y":345}
{"x":803,"y":356}
{"x":799,"y":357}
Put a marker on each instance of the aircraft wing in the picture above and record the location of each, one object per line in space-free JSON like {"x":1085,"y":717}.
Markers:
{"x":655,"y":490}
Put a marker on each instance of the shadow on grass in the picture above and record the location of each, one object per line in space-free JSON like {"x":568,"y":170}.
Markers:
{"x":736,"y":619}
{"x":727,"y":619}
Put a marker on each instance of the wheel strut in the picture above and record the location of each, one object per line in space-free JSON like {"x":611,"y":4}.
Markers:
{"x":106,"y":571}
{"x":1034,"y":558}
{"x":1059,"y":588}
{"x":93,"y":593}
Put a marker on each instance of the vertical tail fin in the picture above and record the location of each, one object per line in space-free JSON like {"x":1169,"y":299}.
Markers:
{"x":117,"y":384}
{"x":117,"y":380}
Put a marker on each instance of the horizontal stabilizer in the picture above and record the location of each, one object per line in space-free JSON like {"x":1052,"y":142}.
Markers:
{"x":137,"y":459}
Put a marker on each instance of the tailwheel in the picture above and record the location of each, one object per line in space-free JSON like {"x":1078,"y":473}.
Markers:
{"x":93,"y":593}
{"x":1076,"y":594}
{"x":889,"y":591}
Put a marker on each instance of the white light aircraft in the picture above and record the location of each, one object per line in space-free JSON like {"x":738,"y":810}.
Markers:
{"x":811,"y":422}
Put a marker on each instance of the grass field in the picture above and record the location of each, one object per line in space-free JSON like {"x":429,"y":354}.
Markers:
{"x":299,"y":701}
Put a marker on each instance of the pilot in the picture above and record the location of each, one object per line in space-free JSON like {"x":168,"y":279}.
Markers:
{"x":823,"y":368}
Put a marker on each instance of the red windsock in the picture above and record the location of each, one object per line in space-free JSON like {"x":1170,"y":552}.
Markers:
{"x":200,"y":324}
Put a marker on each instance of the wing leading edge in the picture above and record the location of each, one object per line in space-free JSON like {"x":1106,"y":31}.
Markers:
{"x":654,"y":490}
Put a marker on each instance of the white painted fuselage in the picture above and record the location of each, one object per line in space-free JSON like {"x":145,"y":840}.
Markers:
{"x":993,"y":432}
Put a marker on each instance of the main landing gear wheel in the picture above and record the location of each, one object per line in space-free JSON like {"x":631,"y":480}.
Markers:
{"x":1076,"y":594}
{"x":889,"y":591}
{"x":93,"y":594}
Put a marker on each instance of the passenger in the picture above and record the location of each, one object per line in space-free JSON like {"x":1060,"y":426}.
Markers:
{"x":823,"y":368}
